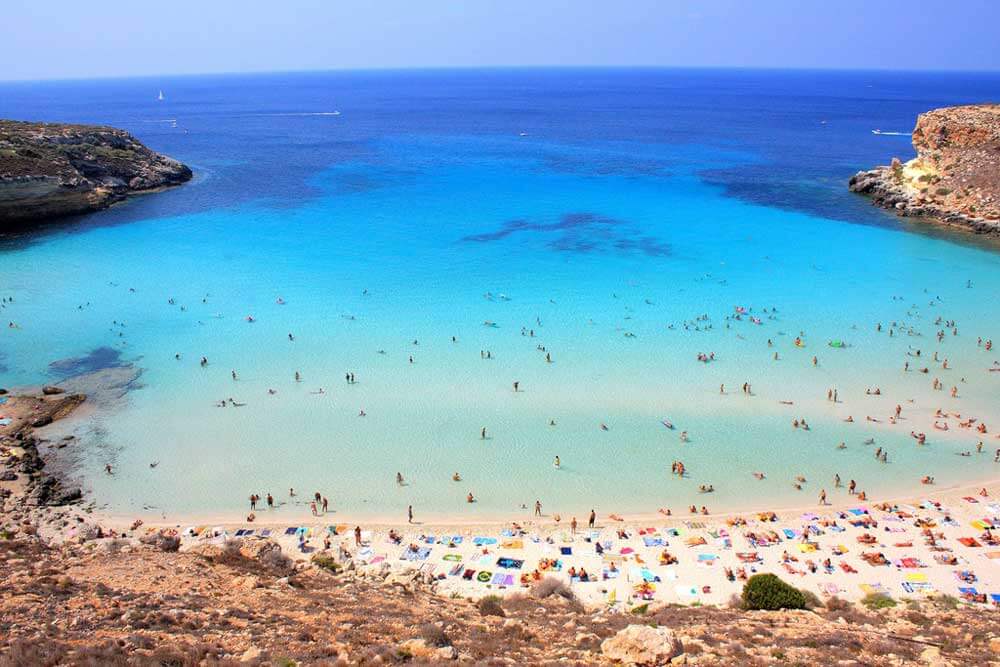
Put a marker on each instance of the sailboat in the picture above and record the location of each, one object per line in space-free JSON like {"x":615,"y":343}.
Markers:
{"x":160,"y":97}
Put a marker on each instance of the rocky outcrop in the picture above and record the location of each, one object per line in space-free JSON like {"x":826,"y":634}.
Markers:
{"x":642,"y":645}
{"x":48,"y":170}
{"x":955,"y":178}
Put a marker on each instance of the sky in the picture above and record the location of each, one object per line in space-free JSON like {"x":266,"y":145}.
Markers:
{"x":61,"y":39}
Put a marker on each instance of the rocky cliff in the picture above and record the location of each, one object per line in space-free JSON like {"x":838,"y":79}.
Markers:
{"x":49,"y":170}
{"x":955,"y":178}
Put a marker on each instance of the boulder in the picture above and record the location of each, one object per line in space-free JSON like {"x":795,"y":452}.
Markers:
{"x":50,"y":390}
{"x":642,"y":645}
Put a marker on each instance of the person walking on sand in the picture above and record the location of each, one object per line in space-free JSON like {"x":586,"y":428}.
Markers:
{"x":357,"y":536}
{"x":592,"y":519}
{"x":325,"y":504}
{"x":538,"y":508}
{"x":572,"y":526}
{"x":409,"y":513}
{"x":822,"y":497}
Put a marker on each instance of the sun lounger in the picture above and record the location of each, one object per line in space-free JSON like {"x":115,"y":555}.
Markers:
{"x":510,"y":563}
{"x":969,"y":541}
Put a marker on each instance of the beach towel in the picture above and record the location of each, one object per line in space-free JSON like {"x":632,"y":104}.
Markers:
{"x":995,"y":598}
{"x":5,"y":421}
{"x":873,"y":589}
{"x":455,"y":571}
{"x":969,"y":541}
{"x":993,"y":555}
{"x":916,"y":577}
{"x":377,"y":559}
{"x":566,"y":551}
{"x":512,"y":544}
{"x":484,"y":576}
{"x":921,"y":587}
{"x":290,"y":530}
{"x":654,"y":541}
{"x":452,"y":557}
{"x":3,"y":400}
{"x":510,"y":563}
{"x":806,"y":547}
{"x":610,"y":574}
{"x":829,"y":588}
{"x":501,"y":579}
{"x":791,"y":534}
{"x":695,"y":541}
{"x":484,"y":541}
{"x":468,"y":574}
{"x":265,"y":532}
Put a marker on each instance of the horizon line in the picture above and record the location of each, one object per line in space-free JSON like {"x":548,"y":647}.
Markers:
{"x":470,"y":68}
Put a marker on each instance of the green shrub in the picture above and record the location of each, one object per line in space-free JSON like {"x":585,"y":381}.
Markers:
{"x":328,"y":563}
{"x":878,"y":601}
{"x":767,"y":591}
{"x":641,"y":609}
{"x":490,"y":606}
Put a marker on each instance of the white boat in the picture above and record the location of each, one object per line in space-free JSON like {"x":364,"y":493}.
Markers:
{"x":160,"y":97}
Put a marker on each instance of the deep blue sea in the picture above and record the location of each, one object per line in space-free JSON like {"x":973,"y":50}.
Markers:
{"x":611,"y":219}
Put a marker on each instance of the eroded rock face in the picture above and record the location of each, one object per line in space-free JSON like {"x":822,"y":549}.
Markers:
{"x":955,"y":178}
{"x":642,"y":645}
{"x":49,"y":170}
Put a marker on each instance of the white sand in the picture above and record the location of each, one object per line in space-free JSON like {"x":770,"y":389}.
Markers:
{"x":696,"y":578}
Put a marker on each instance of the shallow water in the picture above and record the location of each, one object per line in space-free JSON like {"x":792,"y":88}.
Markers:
{"x":636,"y":201}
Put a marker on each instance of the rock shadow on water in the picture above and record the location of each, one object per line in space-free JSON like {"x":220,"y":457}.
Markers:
{"x":580,"y":233}
{"x":96,"y":360}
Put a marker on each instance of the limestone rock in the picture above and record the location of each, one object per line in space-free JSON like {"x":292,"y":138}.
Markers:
{"x":52,"y":169}
{"x":642,"y":645}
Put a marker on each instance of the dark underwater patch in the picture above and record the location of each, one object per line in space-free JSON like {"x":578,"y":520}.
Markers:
{"x":579,"y":233}
{"x":96,"y":360}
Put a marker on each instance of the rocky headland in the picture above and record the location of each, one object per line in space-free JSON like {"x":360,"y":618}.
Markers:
{"x":955,"y":178}
{"x":50,"y":170}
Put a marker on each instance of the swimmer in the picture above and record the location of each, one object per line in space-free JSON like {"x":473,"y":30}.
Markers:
{"x":399,"y":478}
{"x":456,"y":477}
{"x":557,"y":462}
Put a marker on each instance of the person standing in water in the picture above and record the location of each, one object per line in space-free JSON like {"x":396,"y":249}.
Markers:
{"x":592,"y":519}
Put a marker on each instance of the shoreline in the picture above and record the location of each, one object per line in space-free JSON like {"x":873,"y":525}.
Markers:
{"x":544,"y":522}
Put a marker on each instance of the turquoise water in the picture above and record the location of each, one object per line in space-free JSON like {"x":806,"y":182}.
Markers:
{"x":604,"y":247}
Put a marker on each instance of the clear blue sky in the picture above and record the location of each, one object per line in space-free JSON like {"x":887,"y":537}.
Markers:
{"x":45,"y":39}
